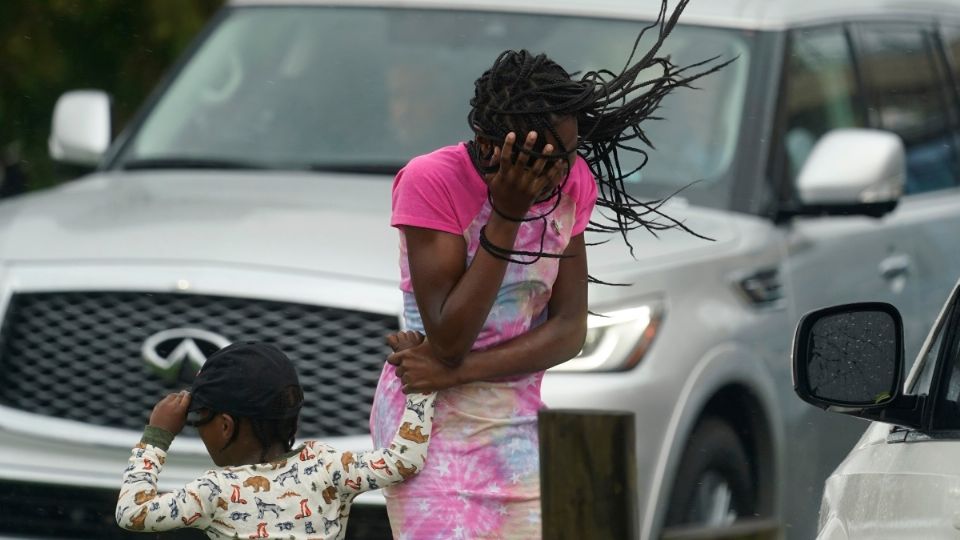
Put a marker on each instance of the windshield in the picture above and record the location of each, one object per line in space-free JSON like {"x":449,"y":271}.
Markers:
{"x":365,"y":89}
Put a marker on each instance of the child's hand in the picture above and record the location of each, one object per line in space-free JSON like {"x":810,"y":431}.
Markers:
{"x":170,"y":413}
{"x":400,"y":341}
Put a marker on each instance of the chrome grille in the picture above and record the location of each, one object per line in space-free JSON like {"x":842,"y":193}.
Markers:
{"x":77,"y":355}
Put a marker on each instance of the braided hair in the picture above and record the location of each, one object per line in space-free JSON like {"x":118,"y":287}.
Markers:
{"x":523,"y":92}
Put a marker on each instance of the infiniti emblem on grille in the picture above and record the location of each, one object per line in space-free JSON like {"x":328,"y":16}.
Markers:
{"x":179,"y":353}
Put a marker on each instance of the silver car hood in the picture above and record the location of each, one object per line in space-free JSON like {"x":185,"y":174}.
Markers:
{"x":335,"y":224}
{"x":294,"y":221}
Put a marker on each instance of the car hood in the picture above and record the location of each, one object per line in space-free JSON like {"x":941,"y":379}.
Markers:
{"x":296,"y":221}
{"x":336,"y":224}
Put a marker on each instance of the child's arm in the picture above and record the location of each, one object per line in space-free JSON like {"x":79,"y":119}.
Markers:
{"x":139,"y":507}
{"x":356,"y":472}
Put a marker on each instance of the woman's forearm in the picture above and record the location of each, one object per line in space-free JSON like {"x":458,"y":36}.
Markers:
{"x":458,"y":321}
{"x":559,"y":339}
{"x":551,"y":344}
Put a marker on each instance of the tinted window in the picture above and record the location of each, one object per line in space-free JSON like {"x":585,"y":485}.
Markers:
{"x":821,"y":91}
{"x":921,"y":385}
{"x":951,"y":39}
{"x":908,"y":95}
{"x":947,"y":411}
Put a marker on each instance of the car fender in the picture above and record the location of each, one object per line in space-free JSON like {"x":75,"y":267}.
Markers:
{"x":723,"y":365}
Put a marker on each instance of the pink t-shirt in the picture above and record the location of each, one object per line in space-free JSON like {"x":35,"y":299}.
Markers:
{"x":443,"y":191}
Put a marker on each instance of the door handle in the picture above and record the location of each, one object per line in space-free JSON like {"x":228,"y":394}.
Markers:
{"x":895,"y":266}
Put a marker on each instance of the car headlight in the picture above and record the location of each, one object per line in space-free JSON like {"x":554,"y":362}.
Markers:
{"x":616,"y":340}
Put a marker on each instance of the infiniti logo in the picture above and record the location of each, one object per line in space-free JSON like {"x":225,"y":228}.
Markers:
{"x":179,"y":353}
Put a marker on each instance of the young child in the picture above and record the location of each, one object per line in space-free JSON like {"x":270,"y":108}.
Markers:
{"x":245,"y":403}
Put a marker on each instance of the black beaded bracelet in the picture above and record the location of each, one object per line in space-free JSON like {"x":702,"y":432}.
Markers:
{"x":505,"y":254}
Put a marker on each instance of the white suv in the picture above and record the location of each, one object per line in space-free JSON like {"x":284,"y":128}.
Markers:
{"x":250,"y":198}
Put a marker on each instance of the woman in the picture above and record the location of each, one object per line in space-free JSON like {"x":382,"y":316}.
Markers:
{"x":494,"y":272}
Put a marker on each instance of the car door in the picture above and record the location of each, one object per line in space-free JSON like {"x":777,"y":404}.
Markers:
{"x":838,"y":258}
{"x":909,"y":89}
{"x":828,"y":259}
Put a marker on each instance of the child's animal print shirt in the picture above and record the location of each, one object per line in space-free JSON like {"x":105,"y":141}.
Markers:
{"x":306,"y":495}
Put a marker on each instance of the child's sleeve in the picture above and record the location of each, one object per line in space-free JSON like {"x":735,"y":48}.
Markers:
{"x":141,"y":508}
{"x":356,"y":472}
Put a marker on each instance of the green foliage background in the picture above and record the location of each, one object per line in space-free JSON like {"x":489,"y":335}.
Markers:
{"x":48,"y":47}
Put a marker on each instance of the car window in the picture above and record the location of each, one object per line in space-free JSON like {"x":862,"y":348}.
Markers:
{"x":821,"y":91}
{"x":907,"y":94}
{"x":950,"y":36}
{"x":946,"y":414}
{"x":928,"y":361}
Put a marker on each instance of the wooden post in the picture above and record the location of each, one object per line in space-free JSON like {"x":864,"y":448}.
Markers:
{"x":588,"y":475}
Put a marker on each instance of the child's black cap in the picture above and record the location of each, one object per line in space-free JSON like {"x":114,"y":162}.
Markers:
{"x":248,"y":380}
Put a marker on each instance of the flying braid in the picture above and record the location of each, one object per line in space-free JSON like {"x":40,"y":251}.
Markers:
{"x":523,"y":92}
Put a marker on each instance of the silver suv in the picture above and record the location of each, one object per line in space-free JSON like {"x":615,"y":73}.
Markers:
{"x":250,"y":198}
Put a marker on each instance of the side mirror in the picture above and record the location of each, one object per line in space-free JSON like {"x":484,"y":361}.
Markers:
{"x":849,"y":359}
{"x":80,"y":131}
{"x":853,"y":171}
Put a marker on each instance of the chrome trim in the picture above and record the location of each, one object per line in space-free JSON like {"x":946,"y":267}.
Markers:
{"x":186,"y":350}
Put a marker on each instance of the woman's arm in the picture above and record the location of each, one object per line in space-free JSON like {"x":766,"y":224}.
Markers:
{"x":455,"y":300}
{"x":559,"y":339}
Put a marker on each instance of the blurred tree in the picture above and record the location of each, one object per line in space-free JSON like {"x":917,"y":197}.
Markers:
{"x":50,"y":46}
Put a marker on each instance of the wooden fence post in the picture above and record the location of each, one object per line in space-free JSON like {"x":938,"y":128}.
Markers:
{"x":588,"y":475}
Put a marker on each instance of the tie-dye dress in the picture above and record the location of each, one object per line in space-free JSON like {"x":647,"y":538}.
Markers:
{"x":481,"y":479}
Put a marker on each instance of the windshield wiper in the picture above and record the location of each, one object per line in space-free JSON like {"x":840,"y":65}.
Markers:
{"x":358,"y":168}
{"x":189,"y":163}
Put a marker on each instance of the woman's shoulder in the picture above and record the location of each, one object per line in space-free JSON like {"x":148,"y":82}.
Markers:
{"x":581,"y":183}
{"x":447,"y":170}
{"x":443,"y":160}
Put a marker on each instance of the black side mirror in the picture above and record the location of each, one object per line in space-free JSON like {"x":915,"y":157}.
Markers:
{"x":849,"y":356}
{"x":849,"y":359}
